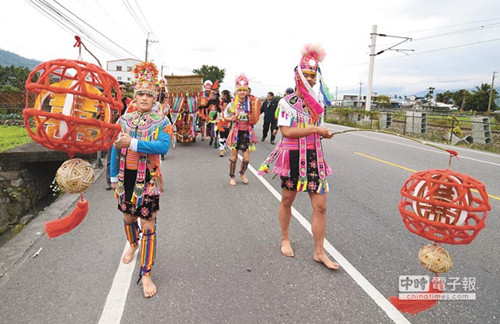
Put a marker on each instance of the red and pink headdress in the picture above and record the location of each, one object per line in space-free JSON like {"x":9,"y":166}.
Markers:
{"x":241,"y":82}
{"x":312,"y":54}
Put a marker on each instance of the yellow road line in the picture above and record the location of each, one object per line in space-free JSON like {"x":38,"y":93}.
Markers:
{"x":404,"y":168}
{"x":386,"y":162}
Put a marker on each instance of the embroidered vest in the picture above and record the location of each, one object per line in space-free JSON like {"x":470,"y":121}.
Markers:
{"x":144,"y":127}
{"x":301,"y":119}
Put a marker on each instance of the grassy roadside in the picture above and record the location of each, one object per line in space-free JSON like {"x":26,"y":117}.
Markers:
{"x":13,"y":136}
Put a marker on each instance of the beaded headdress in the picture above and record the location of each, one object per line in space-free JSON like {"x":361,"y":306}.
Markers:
{"x":146,"y":79}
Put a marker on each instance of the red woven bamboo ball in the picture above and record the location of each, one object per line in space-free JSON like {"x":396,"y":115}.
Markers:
{"x":444,"y":206}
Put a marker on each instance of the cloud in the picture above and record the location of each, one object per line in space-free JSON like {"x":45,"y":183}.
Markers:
{"x":264,"y":39}
{"x":204,"y":49}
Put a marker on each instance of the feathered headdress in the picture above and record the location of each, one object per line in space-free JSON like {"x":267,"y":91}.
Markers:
{"x":215,"y":86}
{"x":146,"y":78}
{"x":312,"y":54}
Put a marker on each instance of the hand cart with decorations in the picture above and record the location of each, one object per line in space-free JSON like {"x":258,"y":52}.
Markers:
{"x":184,"y":93}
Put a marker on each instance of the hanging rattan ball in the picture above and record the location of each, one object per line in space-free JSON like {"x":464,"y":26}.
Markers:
{"x":75,"y":176}
{"x":434,"y":258}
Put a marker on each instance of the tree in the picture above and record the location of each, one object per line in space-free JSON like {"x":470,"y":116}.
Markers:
{"x":480,"y":97}
{"x":383,"y":101}
{"x":211,"y":73}
{"x":13,"y":78}
{"x":445,"y":97}
{"x":460,"y":98}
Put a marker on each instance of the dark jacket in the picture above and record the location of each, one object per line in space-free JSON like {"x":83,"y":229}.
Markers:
{"x":269,"y":108}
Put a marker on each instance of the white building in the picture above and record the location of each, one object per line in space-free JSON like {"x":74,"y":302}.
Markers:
{"x":122,"y":69}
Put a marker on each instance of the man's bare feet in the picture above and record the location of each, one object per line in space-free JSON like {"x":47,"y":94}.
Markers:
{"x":148,"y":287}
{"x":244,"y":179}
{"x":286,"y":249}
{"x":322,"y":258}
{"x":232,"y":181}
{"x":129,"y":255}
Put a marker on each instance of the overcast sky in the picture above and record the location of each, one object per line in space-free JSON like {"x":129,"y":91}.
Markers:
{"x":456,"y":43}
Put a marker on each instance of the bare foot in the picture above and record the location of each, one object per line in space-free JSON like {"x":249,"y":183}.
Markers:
{"x":322,"y":258}
{"x":232,"y":181}
{"x":244,"y":179}
{"x":148,"y":287}
{"x":129,"y":255}
{"x":286,"y":249}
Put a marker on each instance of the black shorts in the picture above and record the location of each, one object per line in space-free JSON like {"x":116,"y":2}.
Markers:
{"x":150,"y":204}
{"x":223,"y":133}
{"x":243,"y":141}
{"x":290,"y":183}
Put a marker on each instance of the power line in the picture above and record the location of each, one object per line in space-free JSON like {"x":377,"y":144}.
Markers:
{"x":145,"y":19}
{"x":54,"y":15}
{"x":451,"y":47}
{"x":460,"y":31}
{"x":429,"y":51}
{"x":51,"y":12}
{"x":74,"y":27}
{"x":450,"y":26}
{"x":134,"y":15}
{"x":108,"y":17}
{"x":106,"y":37}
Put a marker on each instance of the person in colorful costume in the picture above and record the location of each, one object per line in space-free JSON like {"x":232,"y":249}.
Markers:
{"x":299,"y":156}
{"x":213,"y":108}
{"x":244,"y":113}
{"x":136,"y":178}
{"x":203,"y":108}
{"x":165,"y":110}
{"x":223,"y":125}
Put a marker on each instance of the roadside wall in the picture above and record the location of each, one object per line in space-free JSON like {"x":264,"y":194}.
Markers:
{"x":26,"y":175}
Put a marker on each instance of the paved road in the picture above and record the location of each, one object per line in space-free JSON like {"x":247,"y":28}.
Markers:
{"x":218,"y":258}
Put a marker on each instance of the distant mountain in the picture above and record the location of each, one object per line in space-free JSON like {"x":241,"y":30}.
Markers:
{"x":8,"y":58}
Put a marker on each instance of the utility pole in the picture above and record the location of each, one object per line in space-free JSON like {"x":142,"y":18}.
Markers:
{"x":359,"y":98}
{"x":491,"y":92}
{"x":373,"y":37}
{"x":147,"y":45}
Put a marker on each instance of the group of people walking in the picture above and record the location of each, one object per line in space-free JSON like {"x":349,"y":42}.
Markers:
{"x":298,"y":158}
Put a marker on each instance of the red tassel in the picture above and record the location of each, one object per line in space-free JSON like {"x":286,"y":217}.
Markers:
{"x":66,"y":224}
{"x":415,"y":306}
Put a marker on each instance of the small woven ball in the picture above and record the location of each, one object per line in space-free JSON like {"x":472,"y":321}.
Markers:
{"x":434,"y":258}
{"x":75,"y":176}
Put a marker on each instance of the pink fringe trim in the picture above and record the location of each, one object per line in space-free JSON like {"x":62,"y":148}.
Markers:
{"x":282,"y":165}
